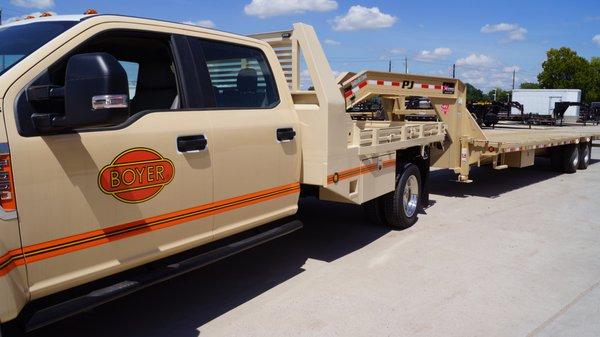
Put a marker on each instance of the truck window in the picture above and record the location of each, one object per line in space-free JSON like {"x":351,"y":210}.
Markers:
{"x":147,"y":59}
{"x":240,"y":76}
{"x":20,"y":40}
{"x":132,"y":69}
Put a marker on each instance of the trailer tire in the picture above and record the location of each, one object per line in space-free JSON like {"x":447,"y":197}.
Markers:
{"x":570,"y":158}
{"x":375,"y":212}
{"x":402,"y":205}
{"x":585,"y":154}
{"x":556,"y":159}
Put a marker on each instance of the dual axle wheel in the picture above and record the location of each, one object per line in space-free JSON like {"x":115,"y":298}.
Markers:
{"x":399,"y":208}
{"x":569,"y":158}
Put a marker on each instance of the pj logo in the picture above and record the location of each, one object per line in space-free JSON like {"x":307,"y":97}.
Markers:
{"x":408,"y":84}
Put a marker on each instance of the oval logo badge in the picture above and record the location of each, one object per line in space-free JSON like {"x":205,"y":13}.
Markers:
{"x":136,"y":175}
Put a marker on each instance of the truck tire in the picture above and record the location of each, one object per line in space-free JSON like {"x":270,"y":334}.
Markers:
{"x":585,"y":154}
{"x":374,"y":211}
{"x":402,"y":205}
{"x":570,"y":158}
{"x":12,"y":329}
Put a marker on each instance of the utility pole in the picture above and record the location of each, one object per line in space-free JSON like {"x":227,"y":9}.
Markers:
{"x":495,"y":94}
{"x":513,"y":86}
{"x":0,"y":16}
{"x":454,"y":71}
{"x":390,"y":66}
{"x":514,"y":74}
{"x":406,"y":65}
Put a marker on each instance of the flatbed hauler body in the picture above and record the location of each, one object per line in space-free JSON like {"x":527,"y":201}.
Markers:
{"x":126,"y":141}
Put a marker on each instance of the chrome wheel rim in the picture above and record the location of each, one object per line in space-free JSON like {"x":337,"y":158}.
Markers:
{"x":576,"y":161}
{"x":410,"y":197}
{"x":586,"y":157}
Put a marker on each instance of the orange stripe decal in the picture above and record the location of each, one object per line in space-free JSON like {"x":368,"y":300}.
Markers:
{"x":353,"y":172}
{"x":53,"y":248}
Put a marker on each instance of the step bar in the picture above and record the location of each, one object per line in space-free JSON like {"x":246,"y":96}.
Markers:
{"x":101,"y":296}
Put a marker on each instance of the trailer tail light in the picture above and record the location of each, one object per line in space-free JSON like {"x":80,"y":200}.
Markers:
{"x":7,"y":193}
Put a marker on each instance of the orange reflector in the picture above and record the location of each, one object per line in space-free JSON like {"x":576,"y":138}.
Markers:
{"x":45,"y":14}
{"x":90,"y":12}
{"x":29,"y":17}
{"x":7,"y":193}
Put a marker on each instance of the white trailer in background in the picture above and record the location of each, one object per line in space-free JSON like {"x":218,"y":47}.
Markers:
{"x":541,"y":101}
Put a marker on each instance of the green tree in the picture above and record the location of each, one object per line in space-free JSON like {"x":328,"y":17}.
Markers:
{"x":529,"y":85}
{"x":593,"y":92}
{"x":501,"y":95}
{"x":564,"y":69}
{"x":474,"y":94}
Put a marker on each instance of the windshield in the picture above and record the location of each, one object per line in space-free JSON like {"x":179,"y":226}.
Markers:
{"x":17,"y":42}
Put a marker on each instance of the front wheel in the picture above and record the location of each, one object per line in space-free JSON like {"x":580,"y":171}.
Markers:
{"x":401,"y":206}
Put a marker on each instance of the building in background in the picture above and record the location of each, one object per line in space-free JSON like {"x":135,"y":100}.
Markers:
{"x":541,"y":101}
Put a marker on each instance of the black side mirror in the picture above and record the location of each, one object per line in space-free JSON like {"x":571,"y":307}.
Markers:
{"x":96,"y":93}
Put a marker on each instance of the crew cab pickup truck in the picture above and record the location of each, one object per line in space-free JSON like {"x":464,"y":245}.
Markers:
{"x":124,"y":141}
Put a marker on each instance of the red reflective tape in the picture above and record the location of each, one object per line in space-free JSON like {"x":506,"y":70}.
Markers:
{"x":424,"y":86}
{"x":438,"y":87}
{"x":348,"y":93}
{"x":362,"y":84}
{"x":395,"y":84}
{"x":379,"y":82}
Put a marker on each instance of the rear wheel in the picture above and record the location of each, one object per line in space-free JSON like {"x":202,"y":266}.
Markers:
{"x":585,"y":154}
{"x":402,"y":205}
{"x":570,"y":158}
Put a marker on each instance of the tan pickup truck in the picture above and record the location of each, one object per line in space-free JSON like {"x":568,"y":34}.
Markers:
{"x":128,"y":140}
{"x":125,"y":141}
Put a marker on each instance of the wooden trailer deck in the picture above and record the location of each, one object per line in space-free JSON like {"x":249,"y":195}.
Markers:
{"x":512,"y":138}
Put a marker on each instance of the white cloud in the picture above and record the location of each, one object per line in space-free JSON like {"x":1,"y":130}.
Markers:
{"x":267,"y":8}
{"x":34,"y":14}
{"x":33,"y":3}
{"x":475,"y":60}
{"x":436,"y":54}
{"x":332,"y":42}
{"x":513,"y":32}
{"x":596,"y":39}
{"x":201,"y":23}
{"x":511,"y":69}
{"x":359,"y":17}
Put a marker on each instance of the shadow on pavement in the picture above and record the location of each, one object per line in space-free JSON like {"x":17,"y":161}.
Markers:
{"x":179,"y":306}
{"x":489,"y":183}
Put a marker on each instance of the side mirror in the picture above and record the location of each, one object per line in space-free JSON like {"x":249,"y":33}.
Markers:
{"x":96,"y":91}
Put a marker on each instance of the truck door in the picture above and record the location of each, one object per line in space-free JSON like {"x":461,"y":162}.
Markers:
{"x":256,"y":148}
{"x":101,"y":200}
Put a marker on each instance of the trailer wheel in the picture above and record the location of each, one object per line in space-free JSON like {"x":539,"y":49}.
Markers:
{"x":570,"y":158}
{"x":374,"y":211}
{"x":402,"y":205}
{"x":585,"y":154}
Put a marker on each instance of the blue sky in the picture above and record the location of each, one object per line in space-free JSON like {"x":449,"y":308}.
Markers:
{"x":486,"y":40}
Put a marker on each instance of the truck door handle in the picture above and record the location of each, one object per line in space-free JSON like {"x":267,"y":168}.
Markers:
{"x":194,"y":143}
{"x":285,"y":134}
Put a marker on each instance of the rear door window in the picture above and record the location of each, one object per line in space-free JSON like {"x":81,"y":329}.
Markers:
{"x":240,"y":76}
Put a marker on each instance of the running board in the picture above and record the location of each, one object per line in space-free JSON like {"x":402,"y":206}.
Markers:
{"x":101,"y":296}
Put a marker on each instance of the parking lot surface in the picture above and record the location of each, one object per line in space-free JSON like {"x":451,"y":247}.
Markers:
{"x":515,"y":253}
